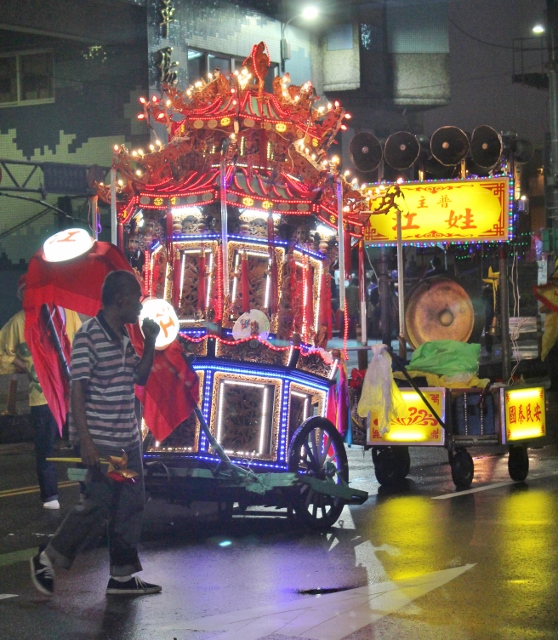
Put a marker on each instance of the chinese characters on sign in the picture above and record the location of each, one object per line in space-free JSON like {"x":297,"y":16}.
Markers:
{"x":525,"y":413}
{"x":419,"y":426}
{"x":447,"y":211}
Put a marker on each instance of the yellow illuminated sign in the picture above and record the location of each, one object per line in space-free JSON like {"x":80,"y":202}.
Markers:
{"x":524,"y":413}
{"x":419,"y":426}
{"x":446,"y":211}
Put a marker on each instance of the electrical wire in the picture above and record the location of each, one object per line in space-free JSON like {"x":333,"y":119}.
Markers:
{"x":20,"y":225}
{"x":472,"y":37}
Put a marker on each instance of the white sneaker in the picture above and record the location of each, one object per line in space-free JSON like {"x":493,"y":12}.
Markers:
{"x":51,"y":504}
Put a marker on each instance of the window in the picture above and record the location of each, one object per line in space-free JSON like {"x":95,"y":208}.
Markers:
{"x":26,"y":78}
{"x":340,"y":37}
{"x":200,"y":64}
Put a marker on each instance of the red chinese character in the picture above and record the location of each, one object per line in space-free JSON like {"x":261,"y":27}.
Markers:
{"x":422,"y":203}
{"x":408,"y":223}
{"x":521,"y":415}
{"x":466,"y":221}
{"x":513,"y":416}
{"x":69,"y":236}
{"x":529,"y":413}
{"x":537,"y":412}
{"x":444,"y":201}
{"x":164,"y":325}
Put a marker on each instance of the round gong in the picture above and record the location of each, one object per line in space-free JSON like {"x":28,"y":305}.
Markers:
{"x":438,"y":309}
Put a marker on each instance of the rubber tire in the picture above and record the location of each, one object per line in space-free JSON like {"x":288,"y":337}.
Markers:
{"x":306,"y":503}
{"x":462,"y":469}
{"x":391,"y":465}
{"x":518,"y":463}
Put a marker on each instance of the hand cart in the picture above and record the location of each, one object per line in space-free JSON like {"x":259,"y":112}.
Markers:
{"x":457,"y":419}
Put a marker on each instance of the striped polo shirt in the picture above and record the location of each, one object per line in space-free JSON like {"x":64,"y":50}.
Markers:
{"x":108,"y":363}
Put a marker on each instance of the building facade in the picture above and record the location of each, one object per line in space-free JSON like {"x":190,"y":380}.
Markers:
{"x":71,"y":74}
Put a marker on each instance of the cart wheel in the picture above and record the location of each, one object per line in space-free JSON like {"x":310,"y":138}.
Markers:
{"x":462,"y":468}
{"x":391,"y":465}
{"x":518,"y":463}
{"x":317,"y":450}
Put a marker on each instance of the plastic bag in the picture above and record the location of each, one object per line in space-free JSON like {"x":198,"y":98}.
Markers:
{"x":380,"y":395}
{"x":446,"y":358}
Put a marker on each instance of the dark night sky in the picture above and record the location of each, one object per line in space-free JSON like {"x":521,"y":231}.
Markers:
{"x":481,"y":87}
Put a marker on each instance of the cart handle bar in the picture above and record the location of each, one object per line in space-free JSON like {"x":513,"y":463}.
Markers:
{"x":401,"y":364}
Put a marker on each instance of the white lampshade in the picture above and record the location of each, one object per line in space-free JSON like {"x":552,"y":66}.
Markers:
{"x":67,"y":245}
{"x":163,"y":313}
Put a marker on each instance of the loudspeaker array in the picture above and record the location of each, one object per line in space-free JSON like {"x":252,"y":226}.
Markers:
{"x":446,"y":147}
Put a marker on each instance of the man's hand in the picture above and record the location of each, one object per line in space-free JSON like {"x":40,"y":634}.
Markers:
{"x":89,"y":454}
{"x":150,"y":329}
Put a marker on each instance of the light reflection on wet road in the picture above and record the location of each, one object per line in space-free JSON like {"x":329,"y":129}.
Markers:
{"x":403,"y":565}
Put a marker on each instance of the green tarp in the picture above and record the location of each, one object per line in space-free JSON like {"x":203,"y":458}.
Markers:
{"x":446,"y":357}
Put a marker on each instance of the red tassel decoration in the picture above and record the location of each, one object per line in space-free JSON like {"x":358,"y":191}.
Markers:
{"x":201,"y":282}
{"x":273,"y":285}
{"x":155,"y":275}
{"x":273,"y":288}
{"x":168,"y":220}
{"x":245,"y":283}
{"x":176,"y":278}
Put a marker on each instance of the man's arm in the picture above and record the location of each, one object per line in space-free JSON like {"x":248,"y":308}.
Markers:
{"x":150,"y":331}
{"x":21,"y":366}
{"x":88,"y":449}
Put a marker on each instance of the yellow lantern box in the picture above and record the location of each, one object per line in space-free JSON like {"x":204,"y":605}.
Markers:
{"x":419,"y":427}
{"x":522,"y":414}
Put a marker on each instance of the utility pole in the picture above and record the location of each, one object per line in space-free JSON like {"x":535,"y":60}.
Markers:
{"x":552,"y":175}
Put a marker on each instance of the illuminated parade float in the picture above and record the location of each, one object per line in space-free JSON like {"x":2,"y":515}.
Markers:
{"x":235,"y":225}
{"x":232,"y":225}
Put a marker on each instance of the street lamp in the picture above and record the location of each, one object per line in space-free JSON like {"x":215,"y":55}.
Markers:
{"x":308,"y":13}
{"x":552,"y":178}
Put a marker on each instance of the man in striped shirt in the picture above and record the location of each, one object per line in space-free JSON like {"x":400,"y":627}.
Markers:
{"x":104,"y":370}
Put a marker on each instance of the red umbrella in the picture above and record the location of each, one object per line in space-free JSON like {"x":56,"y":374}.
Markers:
{"x":76,"y":284}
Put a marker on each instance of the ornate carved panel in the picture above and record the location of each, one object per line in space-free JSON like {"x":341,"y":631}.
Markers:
{"x":245,"y":415}
{"x":252,"y":351}
{"x":314,"y":363}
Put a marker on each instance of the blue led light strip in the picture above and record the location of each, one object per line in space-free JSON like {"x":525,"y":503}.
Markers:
{"x":290,"y":376}
{"x":206,"y":406}
{"x":253,"y":240}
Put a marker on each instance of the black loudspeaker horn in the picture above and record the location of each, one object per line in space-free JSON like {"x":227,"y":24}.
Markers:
{"x":429,"y":164}
{"x":449,"y":145}
{"x":522,"y":150}
{"x":401,"y":150}
{"x":365,"y":151}
{"x":487,"y":146}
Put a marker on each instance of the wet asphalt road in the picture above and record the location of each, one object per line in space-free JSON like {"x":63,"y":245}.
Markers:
{"x":421,"y":563}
